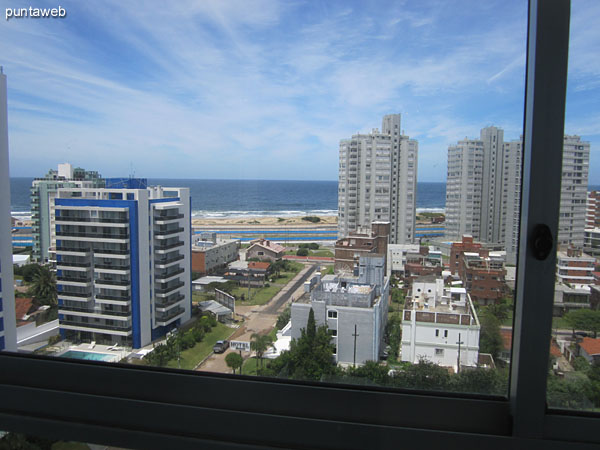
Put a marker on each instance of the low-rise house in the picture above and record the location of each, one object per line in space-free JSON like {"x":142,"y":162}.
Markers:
{"x":424,"y":261}
{"x":364,"y":241}
{"x":253,"y":273}
{"x":439,"y":324}
{"x":209,"y":253}
{"x":567,"y":298}
{"x":590,"y":349}
{"x":481,"y":270}
{"x":201,"y":284}
{"x":397,"y":257}
{"x":575,"y":267}
{"x":354,"y":308}
{"x":265,"y":250}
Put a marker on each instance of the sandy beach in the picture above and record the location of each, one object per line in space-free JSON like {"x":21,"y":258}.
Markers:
{"x":296,"y":221}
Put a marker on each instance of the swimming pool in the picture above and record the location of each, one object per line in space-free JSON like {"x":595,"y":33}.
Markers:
{"x":77,"y":354}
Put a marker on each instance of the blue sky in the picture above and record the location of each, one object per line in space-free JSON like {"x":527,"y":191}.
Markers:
{"x":266,"y":89}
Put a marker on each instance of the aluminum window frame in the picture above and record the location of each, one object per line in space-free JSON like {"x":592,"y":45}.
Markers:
{"x":145,"y":407}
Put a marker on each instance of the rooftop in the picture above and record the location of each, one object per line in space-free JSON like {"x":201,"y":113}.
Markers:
{"x":591,"y":346}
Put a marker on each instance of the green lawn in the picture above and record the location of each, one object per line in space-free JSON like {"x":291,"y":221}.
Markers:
{"x":192,"y":356}
{"x":264,"y":295}
{"x":251,"y":364}
{"x":249,"y":367}
{"x":561,"y":323}
{"x":257,"y":296}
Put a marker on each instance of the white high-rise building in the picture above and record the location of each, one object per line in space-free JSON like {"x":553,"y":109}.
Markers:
{"x":8,"y":333}
{"x":378,"y":181}
{"x":123,"y":262}
{"x":573,"y":191}
{"x":483,"y":190}
{"x":513,"y":152}
{"x":476,"y":187}
{"x":464,"y":189}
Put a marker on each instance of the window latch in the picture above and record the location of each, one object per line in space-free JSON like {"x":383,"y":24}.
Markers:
{"x":541,"y":241}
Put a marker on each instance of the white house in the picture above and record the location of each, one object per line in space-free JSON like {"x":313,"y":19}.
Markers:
{"x":439,"y":324}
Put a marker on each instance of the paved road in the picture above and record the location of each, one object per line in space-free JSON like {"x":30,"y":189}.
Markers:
{"x":259,"y":319}
{"x":288,"y":291}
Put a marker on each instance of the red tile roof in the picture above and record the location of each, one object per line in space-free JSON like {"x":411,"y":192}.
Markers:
{"x":591,"y":346}
{"x":555,"y":349}
{"x":22,"y":306}
{"x":274,"y":247}
{"x":258,"y":265}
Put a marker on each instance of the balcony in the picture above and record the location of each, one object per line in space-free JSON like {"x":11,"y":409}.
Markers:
{"x":79,"y":250}
{"x":112,"y":266}
{"x":170,"y":316}
{"x":164,"y":290}
{"x":164,"y":233}
{"x":164,"y":276}
{"x":108,"y":251}
{"x":117,"y":298}
{"x":112,"y":282}
{"x":61,"y":218}
{"x":163,"y":262}
{"x":84,"y":280}
{"x":61,"y":264}
{"x":93,"y":235}
{"x":82,"y":295}
{"x":167,"y":247}
{"x":169,"y":301}
{"x":95,"y":326}
{"x":66,"y":309}
{"x":167,"y":217}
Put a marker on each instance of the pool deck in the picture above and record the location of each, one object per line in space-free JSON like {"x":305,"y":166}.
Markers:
{"x":118,"y":352}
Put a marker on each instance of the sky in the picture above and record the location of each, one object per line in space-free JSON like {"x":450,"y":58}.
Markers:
{"x":266,"y":89}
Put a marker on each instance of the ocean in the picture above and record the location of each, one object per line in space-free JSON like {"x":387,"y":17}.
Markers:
{"x":253,"y":198}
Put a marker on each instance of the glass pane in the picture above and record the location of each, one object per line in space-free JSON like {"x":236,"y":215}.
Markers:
{"x":383,"y":265}
{"x":574,"y":375}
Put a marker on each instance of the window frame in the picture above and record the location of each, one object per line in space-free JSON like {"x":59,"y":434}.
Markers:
{"x":157,"y":408}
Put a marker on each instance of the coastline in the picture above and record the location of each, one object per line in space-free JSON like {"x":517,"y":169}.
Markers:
{"x":259,"y":221}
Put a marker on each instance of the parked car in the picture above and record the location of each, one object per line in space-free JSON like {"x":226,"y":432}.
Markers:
{"x":220,"y":346}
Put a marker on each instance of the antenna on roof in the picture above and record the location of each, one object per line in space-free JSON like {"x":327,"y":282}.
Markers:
{"x":131,"y":171}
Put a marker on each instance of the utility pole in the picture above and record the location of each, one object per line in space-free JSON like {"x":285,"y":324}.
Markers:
{"x":458,"y":357}
{"x":355,"y":336}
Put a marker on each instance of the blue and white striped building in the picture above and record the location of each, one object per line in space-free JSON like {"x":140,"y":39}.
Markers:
{"x":123,"y":262}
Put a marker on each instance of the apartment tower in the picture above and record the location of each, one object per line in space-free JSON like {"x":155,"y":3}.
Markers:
{"x":378,"y":181}
{"x":8,"y":333}
{"x":43,"y":191}
{"x":483,"y":190}
{"x":123,"y":262}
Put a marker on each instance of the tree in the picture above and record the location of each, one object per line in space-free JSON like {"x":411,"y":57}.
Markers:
{"x":302,"y":252}
{"x":310,"y":357}
{"x":234,"y":360}
{"x":490,"y":339}
{"x":260,"y":343}
{"x":43,"y":287}
{"x":27,"y":271}
{"x":284,"y":318}
{"x":311,"y":325}
{"x":584,"y":319}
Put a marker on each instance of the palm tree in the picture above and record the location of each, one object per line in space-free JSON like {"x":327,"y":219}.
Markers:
{"x":260,"y":343}
{"x":43,"y":286}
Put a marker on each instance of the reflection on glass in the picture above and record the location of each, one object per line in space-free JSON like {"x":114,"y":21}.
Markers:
{"x":574,"y":372}
{"x":399,"y":271}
